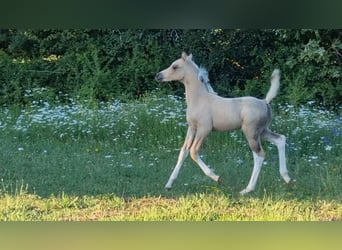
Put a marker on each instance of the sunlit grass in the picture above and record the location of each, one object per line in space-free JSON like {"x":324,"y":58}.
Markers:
{"x":197,"y":207}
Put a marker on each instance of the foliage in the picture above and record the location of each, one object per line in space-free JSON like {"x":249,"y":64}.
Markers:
{"x":103,"y":64}
{"x":312,"y":70}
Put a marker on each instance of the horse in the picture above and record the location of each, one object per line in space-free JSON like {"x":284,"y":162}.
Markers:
{"x":207,"y":111}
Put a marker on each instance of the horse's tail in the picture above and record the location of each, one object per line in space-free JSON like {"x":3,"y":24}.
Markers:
{"x":275,"y":82}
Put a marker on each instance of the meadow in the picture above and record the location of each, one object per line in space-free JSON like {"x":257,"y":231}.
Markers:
{"x":110,"y":161}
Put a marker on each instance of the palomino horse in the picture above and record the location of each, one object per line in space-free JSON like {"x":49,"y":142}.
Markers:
{"x":206,"y":111}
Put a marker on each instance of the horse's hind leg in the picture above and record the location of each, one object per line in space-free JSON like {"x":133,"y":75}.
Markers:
{"x":279,"y":141}
{"x":258,"y":158}
{"x":181,"y":158}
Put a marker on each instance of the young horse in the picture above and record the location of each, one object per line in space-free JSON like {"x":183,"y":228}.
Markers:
{"x":206,"y":111}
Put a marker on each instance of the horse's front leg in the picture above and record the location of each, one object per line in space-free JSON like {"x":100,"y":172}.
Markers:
{"x":195,"y":147}
{"x":182,"y":156}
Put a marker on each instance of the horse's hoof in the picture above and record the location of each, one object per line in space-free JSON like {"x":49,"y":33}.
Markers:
{"x":219,"y":180}
{"x":292,"y":182}
{"x":243,"y":192}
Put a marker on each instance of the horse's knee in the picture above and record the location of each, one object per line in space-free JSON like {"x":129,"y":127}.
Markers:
{"x":261,"y":152}
{"x":256,"y":147}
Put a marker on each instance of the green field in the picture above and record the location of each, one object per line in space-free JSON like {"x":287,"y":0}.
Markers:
{"x":110,"y":161}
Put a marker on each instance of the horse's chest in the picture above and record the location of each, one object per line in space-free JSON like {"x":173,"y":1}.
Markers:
{"x":198,"y":116}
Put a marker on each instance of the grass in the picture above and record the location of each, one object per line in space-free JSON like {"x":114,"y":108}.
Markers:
{"x":111,"y":162}
{"x":198,"y":207}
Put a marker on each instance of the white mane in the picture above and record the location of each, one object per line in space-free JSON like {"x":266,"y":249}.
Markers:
{"x":203,"y":77}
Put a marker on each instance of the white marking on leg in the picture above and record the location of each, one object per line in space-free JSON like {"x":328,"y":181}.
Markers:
{"x":208,"y":171}
{"x":282,"y":159}
{"x":280,"y":142}
{"x":258,"y":160}
{"x":182,"y":156}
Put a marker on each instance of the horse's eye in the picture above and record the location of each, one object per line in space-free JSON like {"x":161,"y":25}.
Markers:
{"x":174,"y":67}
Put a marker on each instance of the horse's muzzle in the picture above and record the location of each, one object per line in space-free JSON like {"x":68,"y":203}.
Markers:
{"x":159,"y":76}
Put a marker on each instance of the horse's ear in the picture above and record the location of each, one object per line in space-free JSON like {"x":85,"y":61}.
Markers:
{"x":184,"y":56}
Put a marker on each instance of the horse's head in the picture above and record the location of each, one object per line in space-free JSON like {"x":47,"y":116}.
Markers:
{"x":177,"y":70}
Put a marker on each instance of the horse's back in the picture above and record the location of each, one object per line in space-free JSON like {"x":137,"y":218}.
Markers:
{"x":246,"y":109}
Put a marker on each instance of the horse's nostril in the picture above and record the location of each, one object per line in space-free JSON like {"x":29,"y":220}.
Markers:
{"x":159,"y":76}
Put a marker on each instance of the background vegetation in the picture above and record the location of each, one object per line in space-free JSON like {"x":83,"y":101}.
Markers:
{"x":100,"y":65}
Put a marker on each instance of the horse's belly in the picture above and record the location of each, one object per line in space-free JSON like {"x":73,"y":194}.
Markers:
{"x":226,"y":124}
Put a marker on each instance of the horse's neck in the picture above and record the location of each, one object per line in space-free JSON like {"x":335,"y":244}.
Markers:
{"x":194,"y":91}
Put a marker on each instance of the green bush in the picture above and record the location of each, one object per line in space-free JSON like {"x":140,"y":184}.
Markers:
{"x":99,"y":65}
